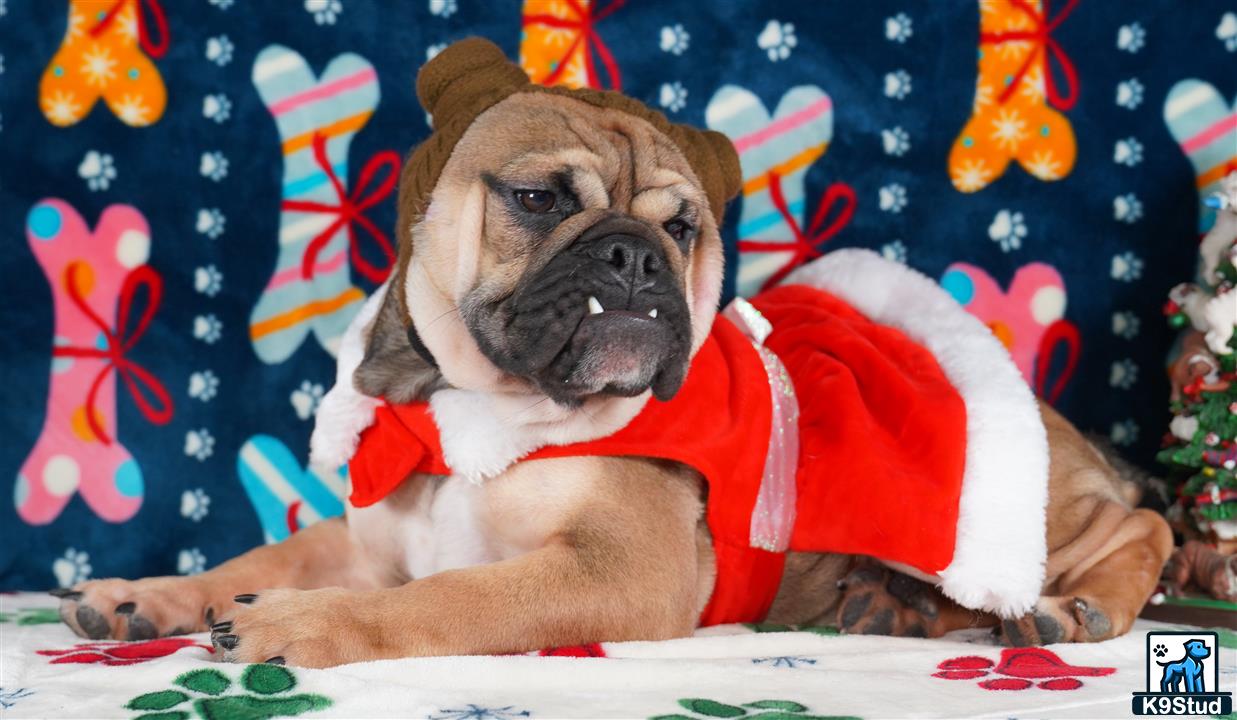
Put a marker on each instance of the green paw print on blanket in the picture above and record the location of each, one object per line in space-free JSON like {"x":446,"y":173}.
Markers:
{"x":269,"y":695}
{"x":758,"y":710}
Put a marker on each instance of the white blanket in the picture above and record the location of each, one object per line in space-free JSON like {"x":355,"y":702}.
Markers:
{"x":724,"y":672}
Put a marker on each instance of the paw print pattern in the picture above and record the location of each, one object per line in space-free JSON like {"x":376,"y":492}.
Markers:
{"x":194,"y":504}
{"x":190,"y":561}
{"x":1007,"y":230}
{"x":777,"y":40}
{"x":219,"y":50}
{"x":203,"y":385}
{"x":265,"y":692}
{"x":213,"y":166}
{"x":895,"y":251}
{"x":208,"y":280}
{"x":1124,"y":433}
{"x":306,"y":398}
{"x":782,"y":709}
{"x":1130,"y":94}
{"x":325,"y":12}
{"x":222,"y":4}
{"x":1128,"y":152}
{"x":97,"y":169}
{"x":897,"y":84}
{"x":207,"y":328}
{"x":1127,"y":208}
{"x":217,"y":107}
{"x":210,"y":222}
{"x":895,"y":141}
{"x":673,"y":96}
{"x":1125,"y":325}
{"x":72,"y":568}
{"x":199,"y":444}
{"x":1017,"y":108}
{"x":1131,"y":38}
{"x":432,"y":51}
{"x":1123,"y":374}
{"x":1160,"y":651}
{"x":443,"y":8}
{"x":898,"y":28}
{"x":674,"y":39}
{"x":892,"y":198}
{"x":1126,"y":267}
{"x":1226,"y":31}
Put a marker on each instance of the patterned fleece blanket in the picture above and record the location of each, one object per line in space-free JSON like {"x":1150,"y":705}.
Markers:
{"x":734,"y":671}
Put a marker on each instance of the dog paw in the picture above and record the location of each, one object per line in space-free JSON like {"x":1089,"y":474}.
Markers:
{"x":1056,"y":620}
{"x":880,"y":601}
{"x":303,"y":628}
{"x":134,"y":609}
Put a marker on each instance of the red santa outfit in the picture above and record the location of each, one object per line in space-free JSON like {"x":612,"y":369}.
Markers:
{"x":855,"y":409}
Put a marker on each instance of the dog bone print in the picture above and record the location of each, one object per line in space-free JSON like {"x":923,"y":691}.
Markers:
{"x":560,"y":45}
{"x":286,"y":496}
{"x":1204,"y":124}
{"x":1028,"y":319}
{"x":311,"y":287}
{"x":1011,"y":117}
{"x":774,"y":154}
{"x":106,"y":53}
{"x":95,"y":278}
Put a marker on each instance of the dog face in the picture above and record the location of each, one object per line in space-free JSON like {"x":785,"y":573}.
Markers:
{"x":1197,"y":649}
{"x":567,"y":250}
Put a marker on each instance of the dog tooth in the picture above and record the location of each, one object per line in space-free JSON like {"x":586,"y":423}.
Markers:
{"x":653,"y":313}
{"x":594,"y":306}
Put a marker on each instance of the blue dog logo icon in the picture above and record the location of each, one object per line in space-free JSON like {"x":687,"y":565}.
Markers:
{"x":1187,"y":674}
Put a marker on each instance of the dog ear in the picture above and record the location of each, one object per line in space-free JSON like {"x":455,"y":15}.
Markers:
{"x":715,"y":162}
{"x":391,"y":369}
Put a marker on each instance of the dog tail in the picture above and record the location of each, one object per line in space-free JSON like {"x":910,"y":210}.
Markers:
{"x":1134,"y":482}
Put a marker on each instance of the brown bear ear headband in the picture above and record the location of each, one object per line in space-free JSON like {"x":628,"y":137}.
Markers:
{"x":473,"y":75}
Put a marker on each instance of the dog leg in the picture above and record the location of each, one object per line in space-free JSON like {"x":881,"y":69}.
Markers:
{"x":877,"y":600}
{"x":1100,"y":600}
{"x":318,"y":556}
{"x":1201,"y":564}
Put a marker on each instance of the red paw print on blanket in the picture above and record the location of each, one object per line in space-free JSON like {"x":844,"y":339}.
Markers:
{"x":121,"y":653}
{"x":1019,"y":668}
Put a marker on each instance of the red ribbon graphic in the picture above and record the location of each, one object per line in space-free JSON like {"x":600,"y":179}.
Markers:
{"x":1060,"y":332}
{"x":584,"y":23}
{"x":805,"y":246}
{"x":143,"y":34}
{"x":349,"y":212}
{"x":1041,"y":35}
{"x":136,"y":377}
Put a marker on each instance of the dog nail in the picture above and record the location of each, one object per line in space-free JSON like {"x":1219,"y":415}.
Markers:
{"x":65,"y":594}
{"x":841,"y":584}
{"x":245,"y":599}
{"x":227,"y":642}
{"x":125,"y":608}
{"x":210,"y":616}
{"x":277,"y":660}
{"x":222,"y":627}
{"x":1080,"y":605}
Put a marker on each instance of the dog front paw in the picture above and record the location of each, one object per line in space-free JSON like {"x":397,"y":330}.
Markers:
{"x":304,"y":628}
{"x":1058,"y":619}
{"x":880,"y":601}
{"x":134,"y":609}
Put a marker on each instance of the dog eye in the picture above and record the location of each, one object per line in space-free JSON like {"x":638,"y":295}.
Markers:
{"x":678,"y":229}
{"x":537,"y":201}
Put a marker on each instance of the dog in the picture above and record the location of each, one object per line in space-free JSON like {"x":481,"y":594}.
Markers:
{"x":1188,"y":670}
{"x":558,"y":279}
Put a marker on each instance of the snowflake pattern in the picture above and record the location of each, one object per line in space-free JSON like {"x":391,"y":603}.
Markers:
{"x":892,"y":198}
{"x":674,"y":39}
{"x":1044,"y":165}
{"x":1226,"y":31}
{"x":898,"y":28}
{"x":477,"y":712}
{"x":207,"y":328}
{"x":1124,"y":433}
{"x":203,"y":385}
{"x":777,"y":40}
{"x":133,"y":110}
{"x":72,"y":568}
{"x":1125,"y":325}
{"x":1008,"y":129}
{"x":210,"y":222}
{"x":97,"y":169}
{"x":194,"y":504}
{"x":217,"y":107}
{"x":1007,"y":230}
{"x":1130,"y":93}
{"x":895,"y":251}
{"x":784,"y":661}
{"x":213,"y":165}
{"x":98,"y":66}
{"x":306,"y":398}
{"x":9,"y":697}
{"x":62,"y":107}
{"x":673,"y":96}
{"x":208,"y":280}
{"x":219,"y":50}
{"x":325,"y":12}
{"x":443,"y":8}
{"x":190,"y":561}
{"x":199,"y":444}
{"x":1128,"y":152}
{"x":895,"y":141}
{"x":971,"y":175}
{"x":897,"y":84}
{"x":1131,"y":38}
{"x":1126,"y":267}
{"x":1127,"y":208}
{"x":1123,"y":374}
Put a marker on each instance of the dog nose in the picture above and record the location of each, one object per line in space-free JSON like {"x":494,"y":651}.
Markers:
{"x":635,"y":258}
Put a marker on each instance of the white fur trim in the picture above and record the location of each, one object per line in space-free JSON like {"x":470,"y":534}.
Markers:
{"x":999,"y":557}
{"x":344,"y":412}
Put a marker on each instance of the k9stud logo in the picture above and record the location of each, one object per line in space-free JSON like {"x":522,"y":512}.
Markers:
{"x":1183,"y":676}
